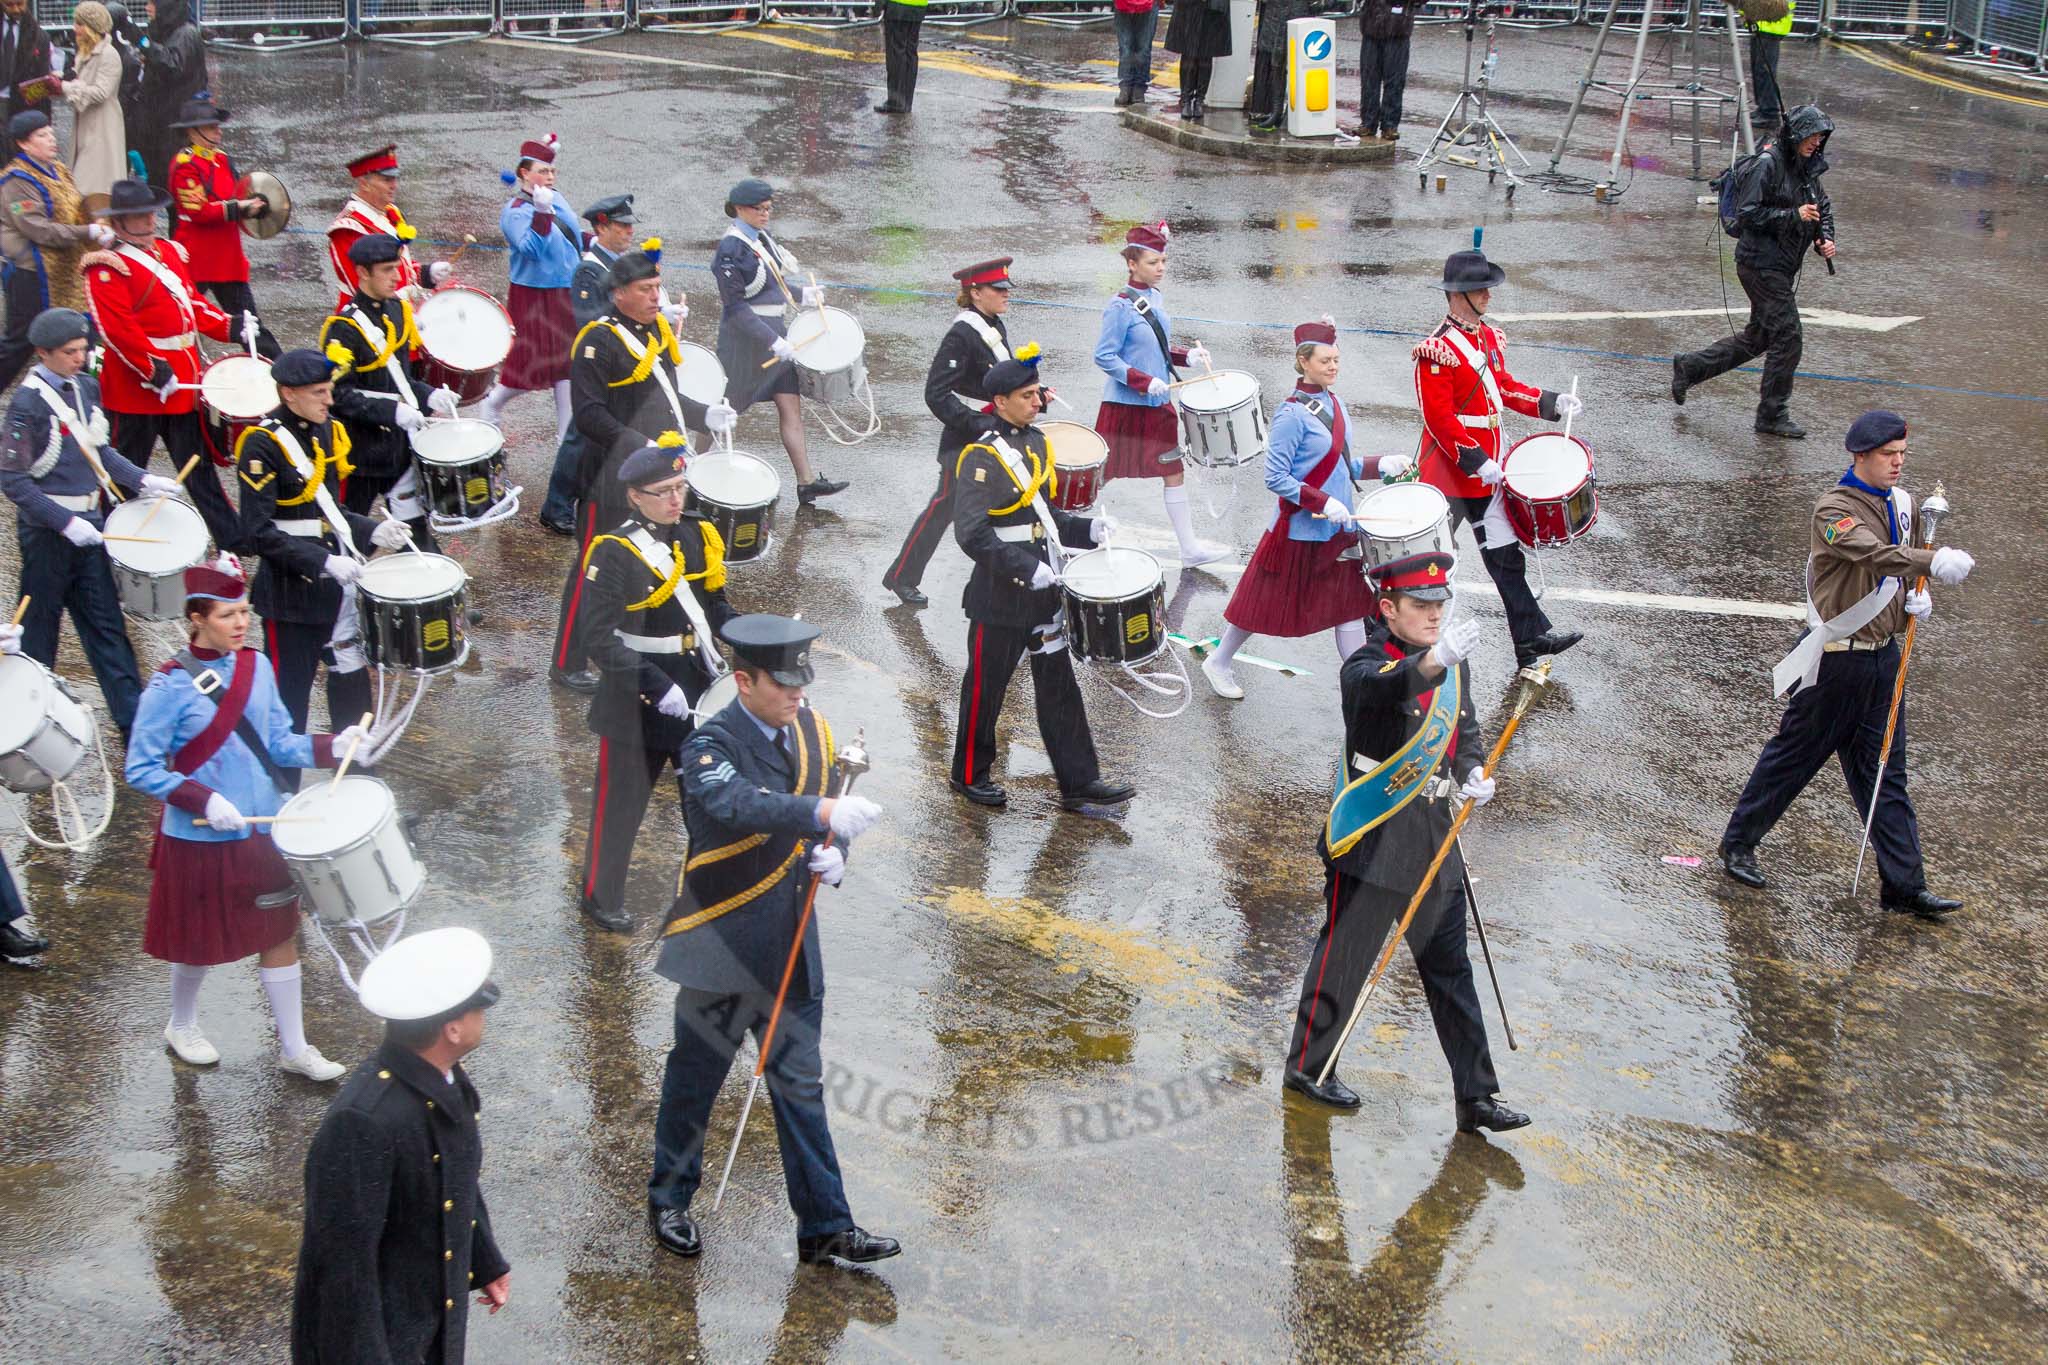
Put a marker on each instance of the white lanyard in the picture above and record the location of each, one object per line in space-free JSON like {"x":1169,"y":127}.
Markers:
{"x":767,"y":261}
{"x":662,"y":560}
{"x":661,"y":376}
{"x":71,"y":421}
{"x":371,"y":333}
{"x":303,"y":467}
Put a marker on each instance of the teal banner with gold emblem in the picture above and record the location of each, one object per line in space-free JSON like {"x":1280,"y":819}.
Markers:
{"x":1364,"y":803}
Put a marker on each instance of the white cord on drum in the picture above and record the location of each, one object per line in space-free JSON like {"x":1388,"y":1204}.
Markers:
{"x":365,"y":943}
{"x":834,"y":424}
{"x":1161,"y":683}
{"x":390,"y":684}
{"x":72,"y":834}
{"x":504,"y":509}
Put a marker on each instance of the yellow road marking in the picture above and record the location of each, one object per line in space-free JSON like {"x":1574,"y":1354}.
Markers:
{"x":1915,"y":73}
{"x":940,"y":61}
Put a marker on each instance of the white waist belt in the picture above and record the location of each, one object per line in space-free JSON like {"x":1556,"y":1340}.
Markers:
{"x":1487,"y":422}
{"x":302,"y":526}
{"x":183,"y":341}
{"x":651,"y":644}
{"x":1435,"y":789}
{"x":76,"y":502}
{"x":1016,"y":534}
{"x":1859,"y":646}
{"x":768,"y":310}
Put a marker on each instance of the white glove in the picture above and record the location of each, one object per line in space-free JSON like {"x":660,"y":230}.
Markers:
{"x":416,"y":294}
{"x":81,"y":532}
{"x":164,"y":390}
{"x":406,"y":417}
{"x":814,"y":297}
{"x":829,"y":863}
{"x":1043,"y":577}
{"x":10,"y":638}
{"x":1102,"y":528}
{"x":1951,"y":565}
{"x":438,"y":273}
{"x":782,"y":349}
{"x":444,"y":400}
{"x":1337,"y":512}
{"x":721,"y":417}
{"x":1155,"y":388}
{"x":1198,"y":356}
{"x":675,"y":310}
{"x":342,"y":569}
{"x":1478,"y":788}
{"x":221,"y":814}
{"x":101,"y":235}
{"x":391,"y":534}
{"x":673,"y":703}
{"x":1491,"y":473}
{"x":1460,"y":638}
{"x":1394,"y":466}
{"x":345,"y":740}
{"x":543,"y":198}
{"x":853,"y":816}
{"x":1920,"y":603}
{"x":1570,"y":405}
{"x":161,"y":486}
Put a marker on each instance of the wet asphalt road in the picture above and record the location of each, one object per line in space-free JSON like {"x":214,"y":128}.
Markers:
{"x":1768,"y":1125}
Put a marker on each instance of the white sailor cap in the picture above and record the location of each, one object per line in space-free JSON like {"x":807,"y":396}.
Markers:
{"x":440,"y":972}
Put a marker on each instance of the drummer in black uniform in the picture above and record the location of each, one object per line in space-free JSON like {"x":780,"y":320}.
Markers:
{"x":372,"y":341}
{"x":622,"y":383}
{"x":653,"y":601}
{"x":312,"y":548}
{"x":590,"y":298}
{"x":1002,"y":514}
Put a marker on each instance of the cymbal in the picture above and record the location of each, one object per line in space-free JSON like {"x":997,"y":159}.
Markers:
{"x":267,"y":187}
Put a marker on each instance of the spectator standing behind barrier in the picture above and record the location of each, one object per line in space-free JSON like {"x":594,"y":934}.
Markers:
{"x":99,"y":137}
{"x":1268,"y":108}
{"x":1384,"y":28}
{"x":1200,"y":33}
{"x":1135,"y":21}
{"x":1769,"y":22}
{"x":24,"y":55}
{"x":901,"y":21}
{"x":173,"y":71}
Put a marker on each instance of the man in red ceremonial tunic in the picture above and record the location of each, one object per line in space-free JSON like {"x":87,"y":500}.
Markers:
{"x":1462,"y":385}
{"x":206,"y":196}
{"x":151,"y":314}
{"x":371,"y":208}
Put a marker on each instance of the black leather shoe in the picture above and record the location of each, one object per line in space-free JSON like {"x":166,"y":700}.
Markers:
{"x":1098,"y":793}
{"x":675,"y":1230}
{"x":891,"y":107}
{"x":1780,"y":425}
{"x":820,"y":487}
{"x":1124,"y":96}
{"x":1739,"y":862}
{"x":1332,"y":1092}
{"x":557,"y":528}
{"x":1549,"y":642}
{"x":981,"y":793}
{"x":1679,"y":383}
{"x":1923,"y":903}
{"x":14,"y":943}
{"x":583,"y":680}
{"x":908,"y":594}
{"x":618,"y":921}
{"x":854,"y":1244}
{"x":1488,"y":1113}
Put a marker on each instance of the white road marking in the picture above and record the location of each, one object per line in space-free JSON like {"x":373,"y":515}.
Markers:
{"x":1653,"y":601}
{"x":1818,"y":317}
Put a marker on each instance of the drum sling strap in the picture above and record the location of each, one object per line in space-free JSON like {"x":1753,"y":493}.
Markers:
{"x":662,"y":377}
{"x":1340,"y":449}
{"x":388,"y":350}
{"x":1359,"y":805}
{"x":1020,"y":474}
{"x":768,"y":262}
{"x":303,"y":467}
{"x":985,"y":329}
{"x":655,"y":555}
{"x":1144,"y":307}
{"x":230,"y":716}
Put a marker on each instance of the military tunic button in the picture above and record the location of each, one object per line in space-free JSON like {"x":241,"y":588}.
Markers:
{"x":447,"y":1255}
{"x":437,"y":1158}
{"x":448,"y":1206}
{"x":383,"y":1075}
{"x":447,"y":1303}
{"x":430,"y":1104}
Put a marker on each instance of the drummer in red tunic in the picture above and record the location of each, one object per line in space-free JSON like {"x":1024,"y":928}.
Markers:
{"x":547,"y":246}
{"x":221,"y":891}
{"x":372,"y":208}
{"x":1296,"y":583}
{"x":207,"y":199}
{"x":1463,"y":386}
{"x":1135,"y":350}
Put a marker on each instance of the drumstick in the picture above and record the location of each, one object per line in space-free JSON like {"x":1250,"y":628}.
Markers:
{"x":1568,"y":416}
{"x":150,"y":515}
{"x":138,"y":540}
{"x":264,"y":820}
{"x":21,"y":609}
{"x":773,"y":361}
{"x":811,"y":279}
{"x":1198,"y":379}
{"x":350,"y":756}
{"x":468,"y":240}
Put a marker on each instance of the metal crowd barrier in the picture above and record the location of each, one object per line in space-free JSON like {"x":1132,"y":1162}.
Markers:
{"x":1882,"y":18}
{"x":280,"y":24}
{"x":562,"y":21}
{"x":1999,"y":31}
{"x":701,"y":16}
{"x":966,"y":13}
{"x":424,"y":23}
{"x":1063,"y":13}
{"x":833,"y":14}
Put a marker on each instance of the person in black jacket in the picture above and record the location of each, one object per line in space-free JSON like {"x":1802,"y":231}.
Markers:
{"x":396,"y":1235}
{"x":24,"y":55}
{"x":173,"y":71}
{"x":1384,"y":27}
{"x":1784,"y":213}
{"x":1267,"y":110}
{"x":1200,"y":32}
{"x":1406,"y":691}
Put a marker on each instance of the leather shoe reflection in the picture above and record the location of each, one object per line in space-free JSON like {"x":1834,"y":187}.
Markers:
{"x":1488,"y":1112}
{"x":675,"y":1230}
{"x":855,"y":1244}
{"x":1332,"y":1092}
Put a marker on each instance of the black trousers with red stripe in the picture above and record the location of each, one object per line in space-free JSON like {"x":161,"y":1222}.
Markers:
{"x":992,"y":655}
{"x":296,"y":652}
{"x":569,"y":655}
{"x":1354,"y":933}
{"x":135,"y":436}
{"x":626,"y":775}
{"x":925,"y":534}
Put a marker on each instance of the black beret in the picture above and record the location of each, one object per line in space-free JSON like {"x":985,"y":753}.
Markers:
{"x":631,"y":268}
{"x":374,"y":248}
{"x":652,"y":464}
{"x":1874,"y":429}
{"x":1008,"y":376}
{"x":26,"y":122}
{"x":749,"y":193}
{"x":301,"y":369}
{"x":54,"y":327}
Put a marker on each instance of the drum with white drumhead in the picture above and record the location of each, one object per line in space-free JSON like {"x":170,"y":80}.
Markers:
{"x":699,"y":376}
{"x":1547,"y":489}
{"x":738,"y":493}
{"x":830,"y":354}
{"x":44,"y":732}
{"x":1115,"y":605}
{"x":461,"y":466}
{"x":235,"y":392}
{"x":464,"y":337}
{"x":414,"y":610}
{"x":1223,"y":419}
{"x":1402,"y":519}
{"x":1079,"y":455}
{"x":149,"y":570}
{"x":348,"y":850}
{"x":724,"y":691}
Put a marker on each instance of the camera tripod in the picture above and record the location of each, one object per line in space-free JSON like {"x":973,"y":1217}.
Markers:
{"x":1476,"y":127}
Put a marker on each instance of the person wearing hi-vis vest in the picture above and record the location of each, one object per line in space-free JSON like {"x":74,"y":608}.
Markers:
{"x":901,"y":21}
{"x":1769,"y":22}
{"x":1865,"y":574}
{"x":653,"y":601}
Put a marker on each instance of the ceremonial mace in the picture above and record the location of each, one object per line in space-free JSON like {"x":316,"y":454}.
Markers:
{"x":1931,"y":513}
{"x":1533,"y":681}
{"x":851,"y":763}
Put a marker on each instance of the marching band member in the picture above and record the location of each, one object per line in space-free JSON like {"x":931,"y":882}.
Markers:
{"x":152,"y":315}
{"x":312,"y":548}
{"x":1002,"y":518}
{"x":1463,"y":387}
{"x":1295,"y":583}
{"x":1861,"y":556}
{"x":753,"y":272}
{"x":754,"y":780}
{"x":1135,"y":351}
{"x":953,"y":391}
{"x":16,"y":943}
{"x":214,"y":743}
{"x":590,"y":297}
{"x":1407,"y":692}
{"x":373,"y":344}
{"x":546,"y":247}
{"x":209,"y":209}
{"x":653,"y":594}
{"x":624,"y":380}
{"x":372,"y":209}
{"x":52,"y":461}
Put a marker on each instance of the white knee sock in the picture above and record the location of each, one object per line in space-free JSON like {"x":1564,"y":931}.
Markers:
{"x":1350,"y":636}
{"x":284,"y":988}
{"x":562,"y":411}
{"x":185,"y":983}
{"x":1227,"y":647}
{"x":1183,"y":520}
{"x":493,"y":409}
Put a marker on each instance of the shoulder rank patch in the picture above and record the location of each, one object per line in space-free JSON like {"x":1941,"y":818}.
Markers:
{"x":704,"y":760}
{"x":590,"y":574}
{"x":590,"y":352}
{"x":1837,"y":529}
{"x":1390,"y":665}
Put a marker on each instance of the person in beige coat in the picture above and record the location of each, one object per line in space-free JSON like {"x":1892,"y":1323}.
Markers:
{"x":99,"y":142}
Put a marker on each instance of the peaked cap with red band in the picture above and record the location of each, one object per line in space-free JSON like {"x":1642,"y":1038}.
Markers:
{"x":1425,"y":577}
{"x":383,"y":161}
{"x":1151,"y":236}
{"x":995,"y":273}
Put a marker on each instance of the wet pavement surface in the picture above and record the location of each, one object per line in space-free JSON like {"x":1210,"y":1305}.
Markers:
{"x":1769,"y":1125}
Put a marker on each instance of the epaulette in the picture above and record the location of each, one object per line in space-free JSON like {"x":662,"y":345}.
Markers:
{"x":111,"y":259}
{"x":1436,"y":351}
{"x":179,"y":247}
{"x":182,"y":157}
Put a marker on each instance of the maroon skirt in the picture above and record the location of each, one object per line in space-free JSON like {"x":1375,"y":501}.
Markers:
{"x":202,"y":903}
{"x":1299,"y":587}
{"x":545,"y":325}
{"x":1138,"y":438}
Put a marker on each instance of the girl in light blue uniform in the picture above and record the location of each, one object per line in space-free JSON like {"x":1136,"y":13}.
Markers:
{"x":546,"y":247}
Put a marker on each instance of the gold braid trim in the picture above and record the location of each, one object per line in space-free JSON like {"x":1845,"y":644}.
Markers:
{"x":734,"y":902}
{"x":408,"y":337}
{"x":732,"y":850}
{"x":712,"y":575}
{"x":1043,"y":476}
{"x":321,"y":461}
{"x":665,"y":344}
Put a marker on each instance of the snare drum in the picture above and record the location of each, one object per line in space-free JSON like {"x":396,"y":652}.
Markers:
{"x":830,"y":368}
{"x":464,"y":338}
{"x":724,"y":690}
{"x":44,"y":734}
{"x":1547,"y":489}
{"x":1080,"y":456}
{"x":737,"y":492}
{"x":235,"y":392}
{"x":1115,"y":605}
{"x":1223,"y":419}
{"x":348,"y":851}
{"x":461,"y":466}
{"x":150,"y":574}
{"x":414,"y":608}
{"x":1402,"y":519}
{"x":700,"y":377}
